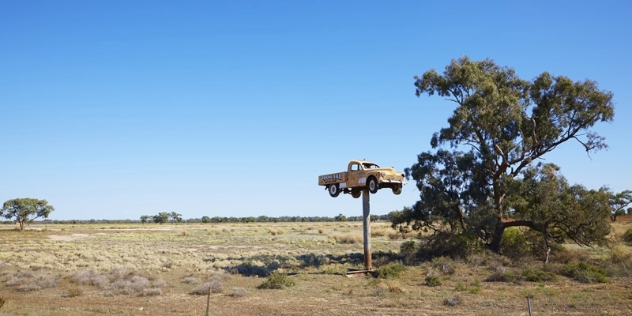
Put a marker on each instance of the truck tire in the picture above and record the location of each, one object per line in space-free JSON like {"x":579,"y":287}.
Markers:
{"x":397,"y":190}
{"x":372,"y":185}
{"x":334,"y":190}
{"x":356,"y":194}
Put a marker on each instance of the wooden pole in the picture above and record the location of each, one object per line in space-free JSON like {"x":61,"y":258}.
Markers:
{"x":208,"y":299}
{"x":529,"y":305}
{"x":366,"y":223}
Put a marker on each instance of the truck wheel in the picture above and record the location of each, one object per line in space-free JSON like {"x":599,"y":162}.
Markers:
{"x":397,"y":190}
{"x":356,"y":194}
{"x":372,"y":185}
{"x":334,"y":190}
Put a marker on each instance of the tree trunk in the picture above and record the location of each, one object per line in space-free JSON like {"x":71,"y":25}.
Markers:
{"x":498,"y":236}
{"x":546,"y":244}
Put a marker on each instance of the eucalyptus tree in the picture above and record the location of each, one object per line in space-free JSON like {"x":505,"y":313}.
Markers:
{"x":543,"y":200}
{"x":161,"y":217}
{"x":501,"y":124}
{"x":618,"y":203}
{"x":25,"y":210}
{"x":175,"y":217}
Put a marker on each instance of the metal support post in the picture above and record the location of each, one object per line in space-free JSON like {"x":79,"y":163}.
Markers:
{"x":366,"y":223}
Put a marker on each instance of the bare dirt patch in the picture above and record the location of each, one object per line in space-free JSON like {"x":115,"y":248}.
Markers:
{"x":71,"y":237}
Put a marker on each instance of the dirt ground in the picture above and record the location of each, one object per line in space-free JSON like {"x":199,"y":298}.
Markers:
{"x":155,"y":270}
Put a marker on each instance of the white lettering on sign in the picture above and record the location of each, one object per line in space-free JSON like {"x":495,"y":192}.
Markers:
{"x":332,"y":177}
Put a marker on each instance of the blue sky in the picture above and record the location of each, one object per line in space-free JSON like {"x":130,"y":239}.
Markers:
{"x":117,"y":109}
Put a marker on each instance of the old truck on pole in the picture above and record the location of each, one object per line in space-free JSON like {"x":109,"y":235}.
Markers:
{"x":362,"y":175}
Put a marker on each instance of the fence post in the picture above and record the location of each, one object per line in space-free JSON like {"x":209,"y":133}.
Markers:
{"x":208,"y":299}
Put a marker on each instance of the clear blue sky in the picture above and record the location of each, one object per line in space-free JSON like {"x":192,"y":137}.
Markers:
{"x":117,"y":109}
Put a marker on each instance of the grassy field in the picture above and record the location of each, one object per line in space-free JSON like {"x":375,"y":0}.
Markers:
{"x":149,"y":269}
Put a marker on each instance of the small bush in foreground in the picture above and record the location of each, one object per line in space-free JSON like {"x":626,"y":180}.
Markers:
{"x":239,"y":292}
{"x":627,"y":236}
{"x":73,"y":292}
{"x":349,"y":238}
{"x":28,"y":281}
{"x":276,"y":281}
{"x":501,"y":275}
{"x":585,"y":273}
{"x":433,"y":280}
{"x":538,"y":276}
{"x":453,"y":301}
{"x":151,"y":292}
{"x":214,"y":284}
{"x":620,"y":253}
{"x":390,"y":271}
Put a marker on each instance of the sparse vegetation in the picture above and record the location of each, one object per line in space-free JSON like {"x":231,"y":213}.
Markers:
{"x":433,"y":280}
{"x":213,"y":285}
{"x":453,"y":301}
{"x":277,"y":281}
{"x":585,"y":273}
{"x":132,"y":263}
{"x":239,"y":292}
{"x":538,"y":275}
{"x":391,"y":271}
{"x":627,"y":236}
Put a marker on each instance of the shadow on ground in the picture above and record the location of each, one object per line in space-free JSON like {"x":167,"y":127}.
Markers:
{"x":264,"y":265}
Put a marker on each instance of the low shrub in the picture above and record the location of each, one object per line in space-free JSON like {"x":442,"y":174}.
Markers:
{"x":620,"y":253}
{"x":277,"y":281}
{"x":568,"y":256}
{"x":448,"y":245}
{"x":151,"y":292}
{"x":627,"y":236}
{"x":349,"y":238}
{"x":191,"y":279}
{"x":28,"y":281}
{"x":538,"y":275}
{"x":453,"y":301}
{"x":433,"y":280}
{"x":502,"y":275}
{"x":408,"y":247}
{"x":73,"y":292}
{"x":214,"y":285}
{"x":239,"y":292}
{"x":390,"y":271}
{"x":585,"y":273}
{"x":443,"y":266}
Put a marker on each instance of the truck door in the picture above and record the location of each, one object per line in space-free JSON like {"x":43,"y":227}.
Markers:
{"x":354,"y":174}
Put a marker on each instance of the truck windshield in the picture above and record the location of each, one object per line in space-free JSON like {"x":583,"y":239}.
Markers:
{"x":370,"y":166}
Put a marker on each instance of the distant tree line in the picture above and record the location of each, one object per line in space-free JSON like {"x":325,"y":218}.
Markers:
{"x":286,"y":219}
{"x":162,"y":217}
{"x":173,"y":217}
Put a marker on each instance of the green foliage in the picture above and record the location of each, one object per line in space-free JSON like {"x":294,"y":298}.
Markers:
{"x":453,"y":301}
{"x":408,"y":247}
{"x":618,"y":202}
{"x":277,"y":281}
{"x":206,"y":219}
{"x":145,"y":218}
{"x":446,"y":244}
{"x":503,"y":123}
{"x":627,"y":236}
{"x":25,"y":210}
{"x":161,"y":218}
{"x":340,"y":218}
{"x":585,"y":273}
{"x":538,"y":275}
{"x":502,"y":275}
{"x":390,"y":271}
{"x":433,"y":280}
{"x":514,"y":244}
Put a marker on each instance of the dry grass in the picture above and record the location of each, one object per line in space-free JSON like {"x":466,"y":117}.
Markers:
{"x":347,"y":238}
{"x":118,"y":269}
